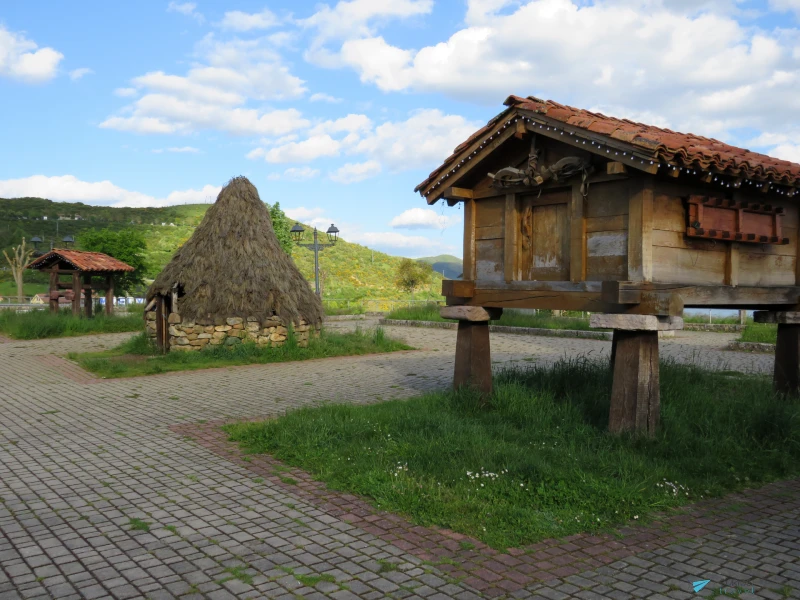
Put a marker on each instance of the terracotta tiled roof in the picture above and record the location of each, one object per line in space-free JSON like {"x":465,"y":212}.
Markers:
{"x":83,"y":261}
{"x":668,"y":146}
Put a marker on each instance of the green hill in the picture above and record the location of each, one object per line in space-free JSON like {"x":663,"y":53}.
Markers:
{"x":348,"y":271}
{"x":446,"y":264}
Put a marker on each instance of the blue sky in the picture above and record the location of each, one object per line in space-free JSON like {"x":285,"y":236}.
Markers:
{"x":337,"y":110}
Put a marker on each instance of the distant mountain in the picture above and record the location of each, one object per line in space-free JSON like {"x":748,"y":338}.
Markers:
{"x":446,"y":264}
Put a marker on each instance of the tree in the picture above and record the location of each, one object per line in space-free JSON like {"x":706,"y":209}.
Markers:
{"x":412,"y":274}
{"x":282,"y":227}
{"x":125,"y":245}
{"x":20,"y":256}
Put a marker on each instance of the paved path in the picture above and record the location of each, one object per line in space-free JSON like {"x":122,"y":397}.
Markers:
{"x":83,"y":461}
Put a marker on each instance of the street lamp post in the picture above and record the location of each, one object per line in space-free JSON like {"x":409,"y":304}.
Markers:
{"x":297,"y":235}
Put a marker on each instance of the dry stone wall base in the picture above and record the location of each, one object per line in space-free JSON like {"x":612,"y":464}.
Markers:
{"x":187,"y":336}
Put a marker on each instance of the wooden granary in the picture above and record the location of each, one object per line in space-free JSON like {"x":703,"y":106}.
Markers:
{"x":572,"y":210}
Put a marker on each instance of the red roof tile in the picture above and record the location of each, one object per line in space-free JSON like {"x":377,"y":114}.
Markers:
{"x":668,"y":146}
{"x":83,"y":261}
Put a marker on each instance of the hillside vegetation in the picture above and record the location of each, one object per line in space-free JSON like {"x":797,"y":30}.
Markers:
{"x":347,"y":271}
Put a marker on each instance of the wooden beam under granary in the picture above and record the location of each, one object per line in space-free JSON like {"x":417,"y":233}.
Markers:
{"x":87,"y":272}
{"x":567,"y":209}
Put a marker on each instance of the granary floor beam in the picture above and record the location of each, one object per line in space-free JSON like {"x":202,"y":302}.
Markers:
{"x":786,"y":377}
{"x":635,"y":394}
{"x":473,"y":364}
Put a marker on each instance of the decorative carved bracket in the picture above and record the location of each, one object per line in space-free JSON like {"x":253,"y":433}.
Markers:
{"x":534,"y":175}
{"x":735,"y":221}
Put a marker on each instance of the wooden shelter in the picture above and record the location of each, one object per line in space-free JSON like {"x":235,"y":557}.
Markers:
{"x":83,"y":269}
{"x":568,"y":209}
{"x":231,"y":281}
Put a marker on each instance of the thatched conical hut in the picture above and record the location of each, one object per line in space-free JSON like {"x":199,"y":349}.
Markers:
{"x":231,"y":281}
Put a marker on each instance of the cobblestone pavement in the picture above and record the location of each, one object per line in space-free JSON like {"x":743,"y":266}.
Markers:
{"x":99,"y":498}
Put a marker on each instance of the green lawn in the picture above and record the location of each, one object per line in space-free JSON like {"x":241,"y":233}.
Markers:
{"x":138,"y":356}
{"x":537,"y":462}
{"x":8,"y":289}
{"x":760,"y":332}
{"x":41,"y":323}
{"x":510,"y":318}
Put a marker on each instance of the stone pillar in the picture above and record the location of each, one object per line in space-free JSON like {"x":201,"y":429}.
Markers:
{"x":635,"y":395}
{"x":786,"y":376}
{"x":473,"y":364}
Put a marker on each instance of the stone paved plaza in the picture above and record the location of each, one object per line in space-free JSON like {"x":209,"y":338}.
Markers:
{"x":87,"y":466}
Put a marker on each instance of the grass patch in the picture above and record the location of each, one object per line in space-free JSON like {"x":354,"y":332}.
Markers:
{"x":510,"y":318}
{"x":38,"y":324}
{"x":763,"y":333}
{"x":239,"y":573}
{"x":137,"y":356}
{"x":536,"y":461}
{"x":138,"y":525}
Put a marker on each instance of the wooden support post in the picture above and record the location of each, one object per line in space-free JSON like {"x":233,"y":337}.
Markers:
{"x":511,"y":250}
{"x":473,"y":360}
{"x":635,"y":401}
{"x":87,"y":298}
{"x":787,"y":359}
{"x":577,"y":239}
{"x":109,"y":295}
{"x":640,"y":231}
{"x":469,"y":241}
{"x":76,"y":293}
{"x":54,"y":290}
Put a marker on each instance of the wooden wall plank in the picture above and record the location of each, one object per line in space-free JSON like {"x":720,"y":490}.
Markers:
{"x":669,"y":213}
{"x":490,"y":212}
{"x":732,"y":264}
{"x":511,"y":250}
{"x":551,"y":243}
{"x":608,"y":199}
{"x":640,"y":230}
{"x":469,"y":240}
{"x":490,"y":233}
{"x":577,"y":239}
{"x":765,"y":269}
{"x":489,"y":260}
{"x":615,"y":223}
{"x":677,"y":265}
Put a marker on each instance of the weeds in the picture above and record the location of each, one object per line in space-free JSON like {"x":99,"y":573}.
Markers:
{"x":38,"y":324}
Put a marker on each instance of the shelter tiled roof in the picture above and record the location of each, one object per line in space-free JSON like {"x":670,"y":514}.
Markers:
{"x":82,"y":261}
{"x":678,"y":149}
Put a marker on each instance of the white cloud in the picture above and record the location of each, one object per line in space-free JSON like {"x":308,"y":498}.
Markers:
{"x":186,"y":8}
{"x":295,"y":174}
{"x":214,"y":94}
{"x":22,"y":59}
{"x":125,"y":92}
{"x":423,"y":218}
{"x":355,"y":18}
{"x":301,"y":213}
{"x":391,"y":241}
{"x":76,"y":74}
{"x":316,"y":146}
{"x":355,"y":172}
{"x":68,"y":188}
{"x":786,"y":6}
{"x":351,"y":123}
{"x":787,"y":151}
{"x":691,"y":64}
{"x":178,"y":150}
{"x":237,"y":20}
{"x":322,"y":97}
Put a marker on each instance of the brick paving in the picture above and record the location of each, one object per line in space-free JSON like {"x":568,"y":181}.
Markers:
{"x":105,"y":496}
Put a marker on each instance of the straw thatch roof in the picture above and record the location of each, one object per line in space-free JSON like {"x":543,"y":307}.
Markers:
{"x":233,"y":266}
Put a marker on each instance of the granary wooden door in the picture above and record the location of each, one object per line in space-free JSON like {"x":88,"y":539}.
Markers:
{"x":544,"y":236}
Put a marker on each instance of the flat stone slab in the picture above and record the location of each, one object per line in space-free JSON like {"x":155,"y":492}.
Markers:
{"x":635,"y":322}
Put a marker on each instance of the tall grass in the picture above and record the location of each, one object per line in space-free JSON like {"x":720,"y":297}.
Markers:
{"x":138,"y":356}
{"x":37,"y":324}
{"x":537,"y":460}
{"x":510,"y":318}
{"x":763,"y":333}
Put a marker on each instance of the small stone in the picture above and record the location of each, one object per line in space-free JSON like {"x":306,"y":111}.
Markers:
{"x":231,"y":341}
{"x":234,"y":321}
{"x":252,"y":319}
{"x":191,"y":336}
{"x":253,"y":327}
{"x":173,"y":318}
{"x":150,"y":315}
{"x":203,"y":336}
{"x":182,"y":341}
{"x":176,"y":331}
{"x":222,"y":328}
{"x":282,"y":330}
{"x":263,"y":340}
{"x":219,"y":335}
{"x":215,"y":342}
{"x":208,"y":329}
{"x":188,"y":324}
{"x":277,"y":337}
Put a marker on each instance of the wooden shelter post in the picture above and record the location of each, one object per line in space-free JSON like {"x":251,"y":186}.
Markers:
{"x":786,"y":376}
{"x":54,"y":293}
{"x":109,"y":295}
{"x":473,"y":366}
{"x":76,"y":293}
{"x":87,"y":296}
{"x":635,"y":395}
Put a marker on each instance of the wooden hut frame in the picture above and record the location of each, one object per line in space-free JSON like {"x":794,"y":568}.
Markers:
{"x":570,"y":210}
{"x":82,"y":270}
